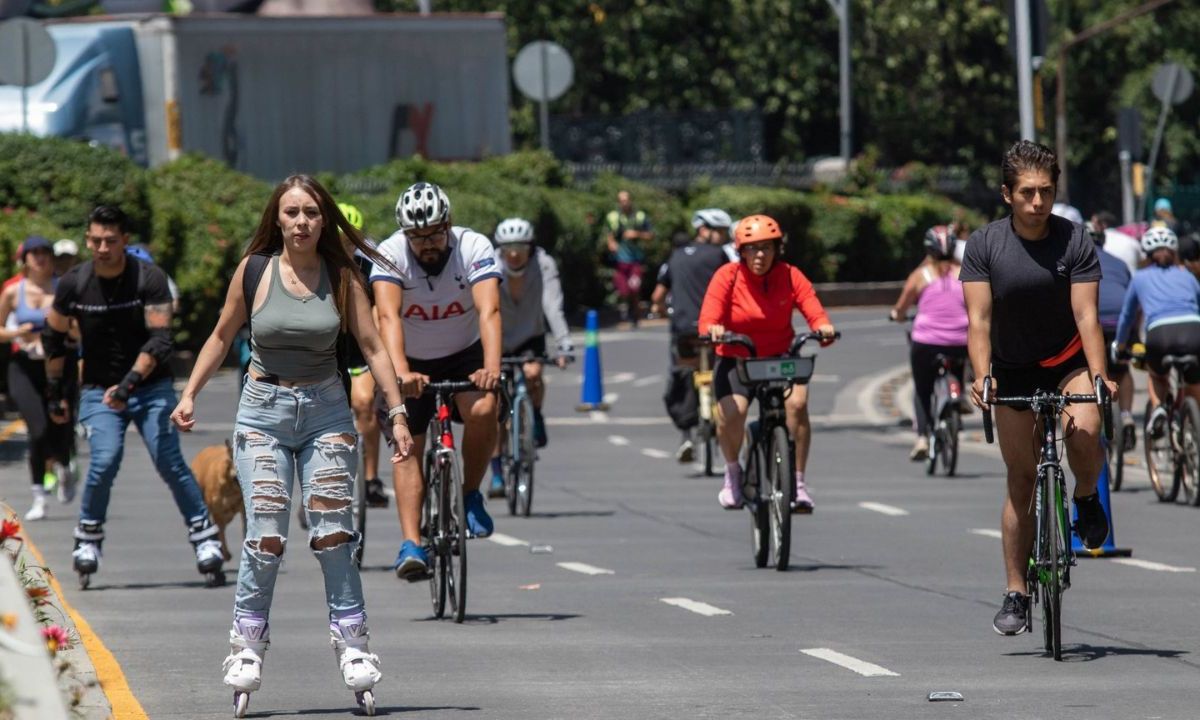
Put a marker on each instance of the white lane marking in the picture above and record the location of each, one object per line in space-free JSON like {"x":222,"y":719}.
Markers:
{"x":1148,"y":565}
{"x":862,"y":667}
{"x":697,"y":607}
{"x":621,"y":377}
{"x":610,"y":398}
{"x":584,"y":568}
{"x":506,"y":540}
{"x":656,"y":453}
{"x":881,"y":508}
{"x":648,"y":380}
{"x":987,"y":532}
{"x":618,"y":440}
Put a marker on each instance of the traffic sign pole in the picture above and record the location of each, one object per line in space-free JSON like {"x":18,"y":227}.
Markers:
{"x":1172,"y":84}
{"x":544,"y":111}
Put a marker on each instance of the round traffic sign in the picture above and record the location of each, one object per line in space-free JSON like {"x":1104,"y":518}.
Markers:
{"x":27,"y":52}
{"x":543,"y":70}
{"x":1162,"y":83}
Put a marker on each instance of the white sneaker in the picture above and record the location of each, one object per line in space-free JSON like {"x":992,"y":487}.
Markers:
{"x":38,"y":511}
{"x":66,"y":481}
{"x":686,"y":452}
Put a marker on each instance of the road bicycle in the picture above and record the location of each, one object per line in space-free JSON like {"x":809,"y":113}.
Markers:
{"x":443,"y":518}
{"x":1172,"y":436}
{"x":769,"y":480}
{"x":518,"y":450}
{"x":945,"y":413}
{"x":1050,"y":563}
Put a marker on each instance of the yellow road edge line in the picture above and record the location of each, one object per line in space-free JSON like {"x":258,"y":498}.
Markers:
{"x":11,"y":429}
{"x":108,"y":671}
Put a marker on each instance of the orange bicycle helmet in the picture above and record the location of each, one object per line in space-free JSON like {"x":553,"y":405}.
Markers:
{"x":756,"y":228}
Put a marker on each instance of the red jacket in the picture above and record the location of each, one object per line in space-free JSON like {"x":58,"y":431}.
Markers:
{"x":759,"y":306}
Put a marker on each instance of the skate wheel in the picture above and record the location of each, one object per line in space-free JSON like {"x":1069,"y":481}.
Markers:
{"x":241,"y":701}
{"x":366,"y":700}
{"x":85,"y":579}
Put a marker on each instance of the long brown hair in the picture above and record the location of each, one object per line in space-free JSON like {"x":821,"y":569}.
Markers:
{"x":343,"y":271}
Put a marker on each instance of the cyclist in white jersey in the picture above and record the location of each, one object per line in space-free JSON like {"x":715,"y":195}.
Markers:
{"x":439,"y":316}
{"x":530,"y":297}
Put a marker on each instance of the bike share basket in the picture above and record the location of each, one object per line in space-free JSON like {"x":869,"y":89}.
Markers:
{"x":797,"y":370}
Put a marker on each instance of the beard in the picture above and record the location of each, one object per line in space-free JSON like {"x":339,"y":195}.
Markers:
{"x":434,"y":267}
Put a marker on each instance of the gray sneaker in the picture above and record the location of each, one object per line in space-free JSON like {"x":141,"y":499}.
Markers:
{"x":1013,"y":615}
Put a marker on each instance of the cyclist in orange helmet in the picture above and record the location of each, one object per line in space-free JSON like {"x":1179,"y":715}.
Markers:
{"x":756,"y":297}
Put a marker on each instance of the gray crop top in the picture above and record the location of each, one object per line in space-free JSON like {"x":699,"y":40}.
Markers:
{"x":295,"y":338}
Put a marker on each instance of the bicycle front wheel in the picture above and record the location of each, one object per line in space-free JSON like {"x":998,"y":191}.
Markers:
{"x":523,"y":463}
{"x":431,"y":521}
{"x":782,"y":488}
{"x":1189,"y":445}
{"x":1160,"y":456}
{"x":454,"y":526}
{"x":755,"y":496}
{"x":1116,"y":462}
{"x":1055,"y":563}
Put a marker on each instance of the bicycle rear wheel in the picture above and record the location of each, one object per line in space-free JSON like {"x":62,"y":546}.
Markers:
{"x":708,"y":434}
{"x":1160,"y":456}
{"x":524,"y":461}
{"x":454,"y":525}
{"x":782,"y":488}
{"x":1189,"y":441}
{"x":508,"y":466}
{"x":948,"y":447}
{"x":432,"y":520}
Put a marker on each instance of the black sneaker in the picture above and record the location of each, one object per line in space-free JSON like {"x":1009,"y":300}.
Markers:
{"x":376,"y":497}
{"x":1091,"y":525}
{"x":1013,"y":616}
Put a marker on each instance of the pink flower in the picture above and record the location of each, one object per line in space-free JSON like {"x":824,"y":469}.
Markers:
{"x":56,"y":638}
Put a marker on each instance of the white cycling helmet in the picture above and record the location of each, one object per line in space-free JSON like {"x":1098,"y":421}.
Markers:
{"x":711,"y":217}
{"x":421,"y":206}
{"x":514,"y":230}
{"x":1159,"y":237}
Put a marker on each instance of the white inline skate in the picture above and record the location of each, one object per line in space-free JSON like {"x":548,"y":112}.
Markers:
{"x":360,"y":668}
{"x":248,"y":641}
{"x":89,"y":536}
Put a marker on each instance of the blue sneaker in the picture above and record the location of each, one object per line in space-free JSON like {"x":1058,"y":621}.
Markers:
{"x":479,"y":523}
{"x":497,"y":487}
{"x":412,"y":564}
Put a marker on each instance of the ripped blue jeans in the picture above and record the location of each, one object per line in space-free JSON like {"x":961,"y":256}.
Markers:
{"x":307,"y":433}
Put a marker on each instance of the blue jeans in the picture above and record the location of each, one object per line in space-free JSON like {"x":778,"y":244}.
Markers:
{"x":149,"y":408}
{"x":283,"y":433}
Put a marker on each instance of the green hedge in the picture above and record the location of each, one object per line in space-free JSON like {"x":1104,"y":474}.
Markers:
{"x":196,"y":215}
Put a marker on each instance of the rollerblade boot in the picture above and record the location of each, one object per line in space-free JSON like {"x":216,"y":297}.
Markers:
{"x":248,"y":641}
{"x":360,"y":669}
{"x":203,"y":536}
{"x":89,"y":536}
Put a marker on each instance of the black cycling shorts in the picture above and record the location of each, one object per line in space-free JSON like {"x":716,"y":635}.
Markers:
{"x":535,"y":346}
{"x":1174,"y":339}
{"x":1025,"y":381}
{"x":455,"y":367}
{"x":1116,"y":370}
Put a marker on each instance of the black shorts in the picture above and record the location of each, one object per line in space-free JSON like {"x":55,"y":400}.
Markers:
{"x":1116,"y":370}
{"x":455,"y":367}
{"x":1174,"y":339}
{"x":1025,"y":381}
{"x":535,"y":346}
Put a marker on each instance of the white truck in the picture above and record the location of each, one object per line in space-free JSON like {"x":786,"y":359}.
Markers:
{"x":275,"y":95}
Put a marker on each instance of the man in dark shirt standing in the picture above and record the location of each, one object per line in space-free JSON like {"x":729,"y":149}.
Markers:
{"x":123,"y":308}
{"x":685,"y":276}
{"x":1031,"y":283}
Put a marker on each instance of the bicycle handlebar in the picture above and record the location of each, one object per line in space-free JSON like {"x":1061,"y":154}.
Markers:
{"x":449,"y":386}
{"x":1100,"y":396}
{"x":530,"y":357}
{"x":745,"y":341}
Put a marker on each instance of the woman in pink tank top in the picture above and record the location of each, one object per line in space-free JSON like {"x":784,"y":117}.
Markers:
{"x":940,"y":327}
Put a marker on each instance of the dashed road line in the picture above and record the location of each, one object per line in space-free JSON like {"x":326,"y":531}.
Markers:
{"x":618,"y":440}
{"x":697,"y":607}
{"x":656,"y":453}
{"x":611,"y":398}
{"x":507,"y":540}
{"x":584,"y":568}
{"x":647,"y":381}
{"x":862,"y":667}
{"x":884,"y":509}
{"x":598,"y":416}
{"x":1149,"y":565}
{"x":986,"y":532}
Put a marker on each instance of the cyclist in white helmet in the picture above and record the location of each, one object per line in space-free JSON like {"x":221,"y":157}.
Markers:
{"x":1169,"y":298}
{"x":530,"y":297}
{"x":714,"y":227}
{"x":439,"y":315}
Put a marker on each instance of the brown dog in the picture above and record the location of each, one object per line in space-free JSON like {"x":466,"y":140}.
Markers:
{"x":217,"y":477}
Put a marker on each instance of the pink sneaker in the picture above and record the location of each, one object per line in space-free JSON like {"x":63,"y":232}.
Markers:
{"x":803,"y":503}
{"x":730,"y":496}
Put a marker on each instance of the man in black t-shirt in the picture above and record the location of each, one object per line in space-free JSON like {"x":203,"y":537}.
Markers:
{"x":123,"y":308}
{"x":1031,"y":283}
{"x":685,"y":276}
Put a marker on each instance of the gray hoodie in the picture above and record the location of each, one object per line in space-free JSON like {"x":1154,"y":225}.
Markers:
{"x":541,"y":301}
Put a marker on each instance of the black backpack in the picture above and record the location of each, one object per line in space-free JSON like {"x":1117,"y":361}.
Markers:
{"x":256,"y":265}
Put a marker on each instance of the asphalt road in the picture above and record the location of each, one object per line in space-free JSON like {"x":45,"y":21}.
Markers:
{"x":878,"y":610}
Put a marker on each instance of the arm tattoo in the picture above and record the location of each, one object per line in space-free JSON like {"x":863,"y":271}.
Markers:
{"x":158,"y":316}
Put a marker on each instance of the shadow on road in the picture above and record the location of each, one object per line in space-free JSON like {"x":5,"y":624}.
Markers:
{"x":813,"y":567}
{"x":1083,"y":652}
{"x":151,"y":586}
{"x":572,"y":514}
{"x":379,"y":711}
{"x":493,"y":619}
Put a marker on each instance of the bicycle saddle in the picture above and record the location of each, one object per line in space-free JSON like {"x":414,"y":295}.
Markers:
{"x":1183,"y":362}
